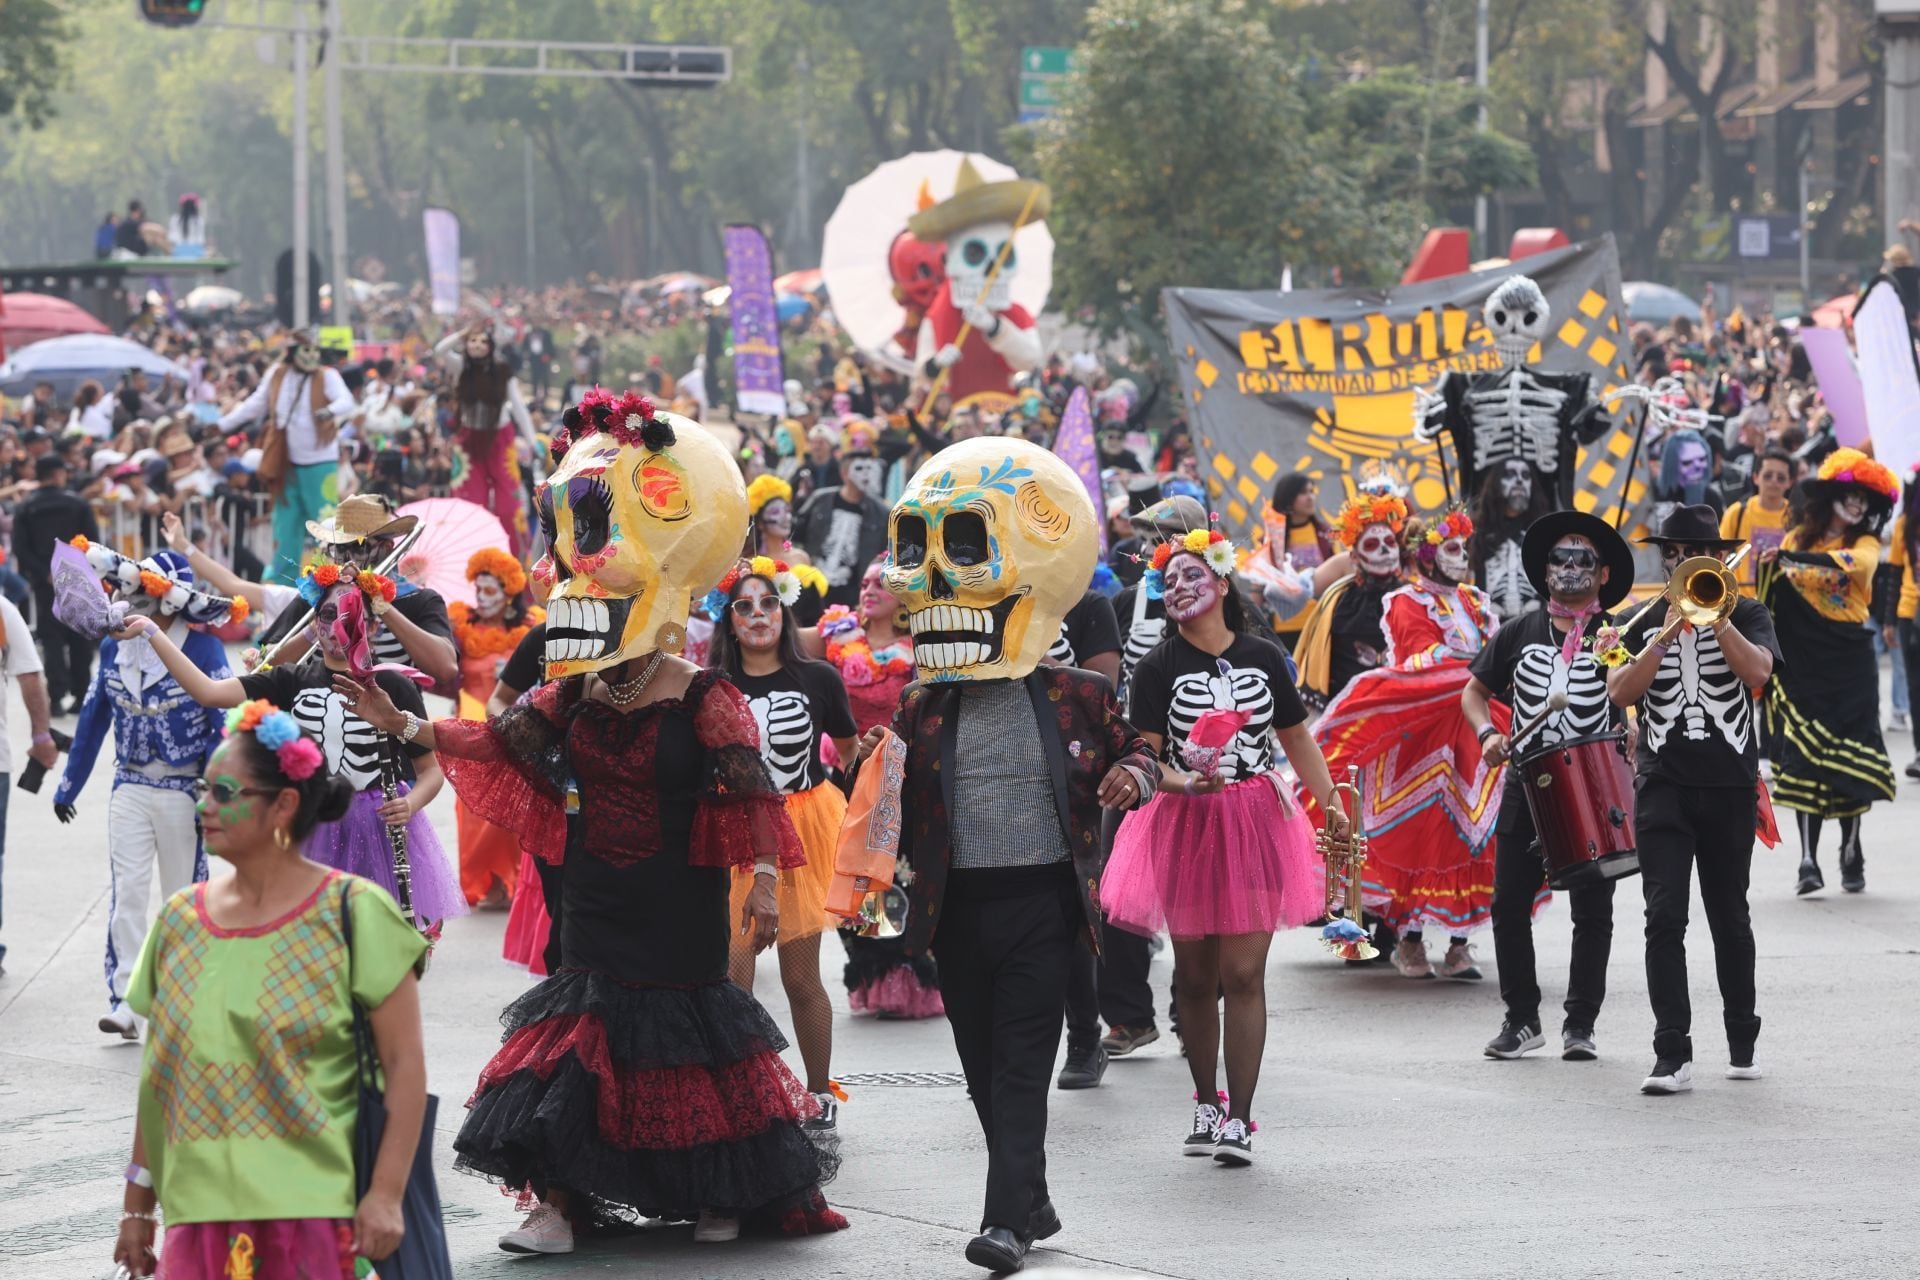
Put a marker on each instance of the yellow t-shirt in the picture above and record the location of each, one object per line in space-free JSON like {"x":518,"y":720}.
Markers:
{"x":1909,"y":606}
{"x":1843,"y":593}
{"x":1750,"y":522}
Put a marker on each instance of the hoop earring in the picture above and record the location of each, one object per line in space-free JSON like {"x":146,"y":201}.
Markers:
{"x":900,"y":619}
{"x":281,"y":839}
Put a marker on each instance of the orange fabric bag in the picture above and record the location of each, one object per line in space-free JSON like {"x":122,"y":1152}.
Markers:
{"x":870,"y":836}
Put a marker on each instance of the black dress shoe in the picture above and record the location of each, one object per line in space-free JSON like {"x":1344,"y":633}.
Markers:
{"x":1810,"y":878}
{"x":1044,"y":1223}
{"x":998,"y":1249}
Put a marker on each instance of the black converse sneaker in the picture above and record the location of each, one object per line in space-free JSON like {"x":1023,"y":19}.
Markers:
{"x":1235,"y":1146}
{"x":1207,"y":1120}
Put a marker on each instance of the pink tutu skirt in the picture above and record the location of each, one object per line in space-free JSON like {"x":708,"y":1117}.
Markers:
{"x":1236,"y":861}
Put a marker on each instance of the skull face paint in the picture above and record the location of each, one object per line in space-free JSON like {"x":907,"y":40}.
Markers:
{"x":1378,"y":550}
{"x":1450,"y":560}
{"x":1573,"y":570}
{"x":1516,"y":314}
{"x":754,"y":615}
{"x":1694,"y":461}
{"x":633,"y":534}
{"x":1516,"y":484}
{"x":306,"y":357}
{"x":1191,"y":587}
{"x":866,"y":471}
{"x":776,"y":519}
{"x":991,"y":543}
{"x":490,"y":598}
{"x":1850,"y":507}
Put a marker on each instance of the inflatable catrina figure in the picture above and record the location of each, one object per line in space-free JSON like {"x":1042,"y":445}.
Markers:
{"x":637,"y":1078}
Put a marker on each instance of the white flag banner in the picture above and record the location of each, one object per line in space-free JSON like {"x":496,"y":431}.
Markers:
{"x":1889,"y":375}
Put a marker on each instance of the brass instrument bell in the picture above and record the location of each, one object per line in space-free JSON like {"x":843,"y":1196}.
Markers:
{"x":883,"y":914}
{"x":1701,"y":591}
{"x":1345,"y":856}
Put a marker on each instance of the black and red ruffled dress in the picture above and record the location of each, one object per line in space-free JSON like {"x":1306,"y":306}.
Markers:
{"x":637,"y":1074}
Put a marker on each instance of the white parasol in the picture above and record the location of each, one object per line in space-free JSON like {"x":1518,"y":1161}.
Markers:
{"x":853,"y":259}
{"x":452,"y":529}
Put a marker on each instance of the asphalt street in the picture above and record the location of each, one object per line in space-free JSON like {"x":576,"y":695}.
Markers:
{"x":1388,"y":1144}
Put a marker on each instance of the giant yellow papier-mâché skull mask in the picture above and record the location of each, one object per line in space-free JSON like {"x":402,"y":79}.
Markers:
{"x":992,"y":541}
{"x":644,"y":513}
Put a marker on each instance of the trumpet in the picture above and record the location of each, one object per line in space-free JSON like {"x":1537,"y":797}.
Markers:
{"x":1345,"y":857}
{"x":1701,"y":591}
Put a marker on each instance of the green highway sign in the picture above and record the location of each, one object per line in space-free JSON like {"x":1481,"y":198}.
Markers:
{"x":1047,"y":60}
{"x":1035,"y":92}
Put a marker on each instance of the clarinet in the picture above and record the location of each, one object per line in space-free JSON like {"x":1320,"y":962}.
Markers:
{"x":397,"y":835}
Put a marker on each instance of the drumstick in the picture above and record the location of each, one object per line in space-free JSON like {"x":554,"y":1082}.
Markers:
{"x":1556,"y":703}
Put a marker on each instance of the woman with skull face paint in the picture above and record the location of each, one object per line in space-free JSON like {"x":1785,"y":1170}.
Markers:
{"x":1430,"y":799}
{"x":487,"y":633}
{"x":1824,"y":705}
{"x":1346,"y":635}
{"x":1221,"y":857}
{"x":485,"y":397}
{"x":797,"y":703}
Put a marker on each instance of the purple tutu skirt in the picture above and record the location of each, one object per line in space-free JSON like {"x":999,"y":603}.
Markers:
{"x":358,"y":844}
{"x":1236,"y":861}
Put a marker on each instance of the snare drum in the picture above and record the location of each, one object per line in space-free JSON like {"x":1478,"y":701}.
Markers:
{"x":1580,"y":793}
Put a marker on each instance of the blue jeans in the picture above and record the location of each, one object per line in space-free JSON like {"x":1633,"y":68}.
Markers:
{"x":1899,"y":668}
{"x":14,"y":587}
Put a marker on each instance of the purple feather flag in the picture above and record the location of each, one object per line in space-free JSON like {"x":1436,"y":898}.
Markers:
{"x":79,"y":601}
{"x":1074,"y":446}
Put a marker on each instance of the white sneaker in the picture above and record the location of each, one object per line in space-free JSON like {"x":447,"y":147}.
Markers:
{"x":122,"y":1022}
{"x":824,"y":1128}
{"x":1900,"y":721}
{"x":1669,"y":1077}
{"x":1410,"y":958}
{"x":1207,"y":1120}
{"x":715,"y":1229}
{"x":1749,"y":1072}
{"x":546,"y":1230}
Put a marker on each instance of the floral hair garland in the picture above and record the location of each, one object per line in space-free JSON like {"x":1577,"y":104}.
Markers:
{"x":1365,"y":509}
{"x":1851,"y":466}
{"x":788,"y":581}
{"x":279,"y":733}
{"x":499,"y":565}
{"x":767,"y":487}
{"x":1456,"y":523}
{"x":322,"y":578}
{"x":1210,"y":545}
{"x":629,"y":419}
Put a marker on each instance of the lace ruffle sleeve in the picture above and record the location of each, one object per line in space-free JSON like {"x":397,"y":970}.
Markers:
{"x":512,"y":770}
{"x":742,"y":817}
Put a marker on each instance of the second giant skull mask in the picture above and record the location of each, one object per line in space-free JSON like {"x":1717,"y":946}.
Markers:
{"x":1517,"y":314}
{"x":634,"y":534}
{"x":993,"y":540}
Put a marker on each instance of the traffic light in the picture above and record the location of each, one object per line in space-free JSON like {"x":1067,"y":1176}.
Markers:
{"x":173,"y":13}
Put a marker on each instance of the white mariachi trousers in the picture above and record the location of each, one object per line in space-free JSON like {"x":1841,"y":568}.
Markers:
{"x":147,"y":828}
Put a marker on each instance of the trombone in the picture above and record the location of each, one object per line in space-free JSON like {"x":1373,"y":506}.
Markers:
{"x":1701,"y":591}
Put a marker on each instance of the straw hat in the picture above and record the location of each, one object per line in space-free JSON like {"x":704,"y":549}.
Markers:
{"x":975,"y":200}
{"x":363,"y":516}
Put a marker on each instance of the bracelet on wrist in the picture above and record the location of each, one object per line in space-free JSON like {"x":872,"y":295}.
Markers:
{"x":411,"y":728}
{"x":134,"y":1215}
{"x":139,"y":1176}
{"x":1486,"y":731}
{"x":39,"y":738}
{"x":766,"y":869}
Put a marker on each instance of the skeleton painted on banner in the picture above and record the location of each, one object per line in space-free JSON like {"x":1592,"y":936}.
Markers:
{"x":1517,"y":412}
{"x":624,"y":559}
{"x":976,"y":223}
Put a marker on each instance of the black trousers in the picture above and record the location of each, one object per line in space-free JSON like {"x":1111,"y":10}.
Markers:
{"x":1114,"y":985}
{"x":1679,"y":828}
{"x":1006,"y":942}
{"x":67,"y":656}
{"x":1519,"y":873}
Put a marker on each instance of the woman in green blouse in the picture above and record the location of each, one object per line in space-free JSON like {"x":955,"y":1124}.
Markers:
{"x":248,"y":1092}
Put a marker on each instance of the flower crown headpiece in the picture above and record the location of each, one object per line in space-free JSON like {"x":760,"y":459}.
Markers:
{"x":1209,"y":544}
{"x":322,"y":578}
{"x":1365,"y":509}
{"x":629,"y":418}
{"x":498,"y":564}
{"x":1851,"y":466}
{"x":280,"y":734}
{"x":767,"y":487}
{"x":1455,"y":523}
{"x":788,"y":581}
{"x":174,"y":588}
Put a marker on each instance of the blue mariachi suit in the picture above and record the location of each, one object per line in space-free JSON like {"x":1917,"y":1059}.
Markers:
{"x":162,"y":741}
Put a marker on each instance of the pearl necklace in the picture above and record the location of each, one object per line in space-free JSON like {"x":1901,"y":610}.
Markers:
{"x":625,"y":695}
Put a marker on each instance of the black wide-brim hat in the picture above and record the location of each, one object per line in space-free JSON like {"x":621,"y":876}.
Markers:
{"x":1694,"y":526}
{"x":1615,"y":554}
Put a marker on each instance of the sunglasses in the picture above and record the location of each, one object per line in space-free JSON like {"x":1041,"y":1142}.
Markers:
{"x":745,"y":608}
{"x":1574,"y":558}
{"x":226,"y":792}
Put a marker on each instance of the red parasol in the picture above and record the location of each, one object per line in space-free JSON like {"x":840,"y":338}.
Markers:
{"x":1836,"y":313}
{"x":28,"y":317}
{"x":452,"y":530}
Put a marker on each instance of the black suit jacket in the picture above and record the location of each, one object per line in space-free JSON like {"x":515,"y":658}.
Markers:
{"x":1083,"y":734}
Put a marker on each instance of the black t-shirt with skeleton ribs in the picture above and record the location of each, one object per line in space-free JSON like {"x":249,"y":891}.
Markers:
{"x":354,"y":749}
{"x":1177,"y":683}
{"x":1698,"y":724}
{"x":795,"y":707}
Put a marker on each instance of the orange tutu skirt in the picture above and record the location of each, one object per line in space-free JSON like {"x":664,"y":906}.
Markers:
{"x":816,"y":815}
